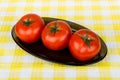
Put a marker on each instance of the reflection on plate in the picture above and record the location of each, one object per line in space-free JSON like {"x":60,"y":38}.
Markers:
{"x":62,"y":56}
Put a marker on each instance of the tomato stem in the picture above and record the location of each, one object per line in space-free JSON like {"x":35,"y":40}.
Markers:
{"x":27,"y":22}
{"x":54,"y":29}
{"x":86,"y":38}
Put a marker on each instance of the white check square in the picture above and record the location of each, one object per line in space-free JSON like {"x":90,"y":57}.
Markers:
{"x":93,"y":73}
{"x":70,"y":73}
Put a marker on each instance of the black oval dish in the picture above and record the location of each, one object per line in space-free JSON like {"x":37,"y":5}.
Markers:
{"x":62,"y":56}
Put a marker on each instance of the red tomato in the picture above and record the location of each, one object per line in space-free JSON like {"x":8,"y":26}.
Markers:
{"x":84,"y":44}
{"x":56,"y":35}
{"x":29,"y":28}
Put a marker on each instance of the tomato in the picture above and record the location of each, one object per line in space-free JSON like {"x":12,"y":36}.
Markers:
{"x":84,"y":44}
{"x":56,"y":35}
{"x":29,"y":28}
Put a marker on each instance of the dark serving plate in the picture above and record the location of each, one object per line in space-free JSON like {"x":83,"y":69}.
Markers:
{"x":62,"y":56}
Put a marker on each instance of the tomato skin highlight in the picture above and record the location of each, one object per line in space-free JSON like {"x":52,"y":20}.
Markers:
{"x":80,"y":50}
{"x":56,"y":37}
{"x":29,"y":28}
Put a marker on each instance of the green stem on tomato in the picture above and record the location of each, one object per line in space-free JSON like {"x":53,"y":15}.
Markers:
{"x":28,"y":22}
{"x":86,"y":38}
{"x":54,"y":29}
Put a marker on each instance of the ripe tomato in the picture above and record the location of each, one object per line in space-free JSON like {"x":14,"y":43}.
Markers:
{"x":29,"y":28}
{"x":84,"y":44}
{"x":56,"y":35}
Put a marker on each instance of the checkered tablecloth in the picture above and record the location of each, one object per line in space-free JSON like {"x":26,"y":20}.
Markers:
{"x":101,"y":16}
